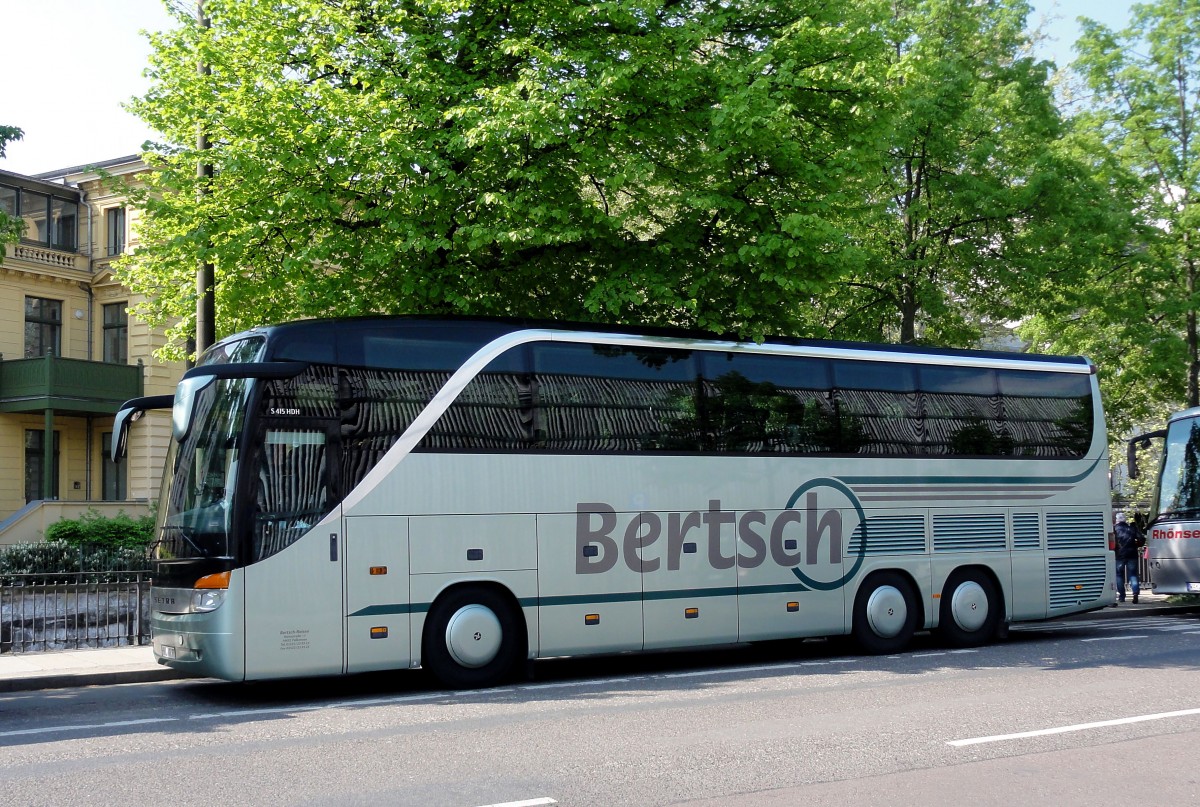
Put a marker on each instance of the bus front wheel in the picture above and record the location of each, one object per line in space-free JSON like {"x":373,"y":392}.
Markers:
{"x":971,"y":609}
{"x":885,"y":613}
{"x":472,"y":639}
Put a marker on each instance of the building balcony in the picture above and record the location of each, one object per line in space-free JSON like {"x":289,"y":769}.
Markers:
{"x":36,"y":256}
{"x":69,"y":386}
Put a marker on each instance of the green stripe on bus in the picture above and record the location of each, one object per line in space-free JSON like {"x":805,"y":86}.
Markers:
{"x":589,"y":599}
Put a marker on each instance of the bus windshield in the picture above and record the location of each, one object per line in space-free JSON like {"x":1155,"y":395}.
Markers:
{"x":1179,"y":487}
{"x":194,"y":509}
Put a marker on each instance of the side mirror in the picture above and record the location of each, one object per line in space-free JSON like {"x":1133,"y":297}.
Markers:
{"x":130,"y":411}
{"x":1141,"y":441}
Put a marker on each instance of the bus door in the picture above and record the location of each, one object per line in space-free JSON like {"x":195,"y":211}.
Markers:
{"x":377,"y":592}
{"x":294,"y":578}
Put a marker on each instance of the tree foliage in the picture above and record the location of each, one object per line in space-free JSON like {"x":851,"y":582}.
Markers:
{"x":11,"y":228}
{"x":977,"y":205}
{"x":667,"y":161}
{"x":887,"y":171}
{"x":1135,"y":310}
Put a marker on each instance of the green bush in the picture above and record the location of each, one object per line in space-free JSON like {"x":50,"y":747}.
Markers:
{"x":91,"y":528}
{"x":60,"y":562}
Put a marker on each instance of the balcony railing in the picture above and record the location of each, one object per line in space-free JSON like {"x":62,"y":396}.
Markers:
{"x":69,"y":385}
{"x":59,"y":259}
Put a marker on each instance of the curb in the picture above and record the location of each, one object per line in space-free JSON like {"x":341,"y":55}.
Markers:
{"x":29,"y":683}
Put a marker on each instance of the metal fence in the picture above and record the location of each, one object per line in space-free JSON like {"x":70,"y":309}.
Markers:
{"x":1145,"y":575}
{"x":71,"y":611}
{"x":56,"y":596}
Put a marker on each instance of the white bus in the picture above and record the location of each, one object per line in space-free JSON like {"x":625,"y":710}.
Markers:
{"x":464,"y":495}
{"x":1173,"y":532}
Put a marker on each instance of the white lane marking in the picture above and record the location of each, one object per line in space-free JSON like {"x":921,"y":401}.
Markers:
{"x":116,"y":724}
{"x":1078,"y":727}
{"x":699,"y":673}
{"x":1117,"y":638}
{"x":527,"y":803}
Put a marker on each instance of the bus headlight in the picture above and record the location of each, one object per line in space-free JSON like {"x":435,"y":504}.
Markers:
{"x":205,"y":600}
{"x":209,"y":592}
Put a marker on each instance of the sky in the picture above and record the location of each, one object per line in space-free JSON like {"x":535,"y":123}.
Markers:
{"x":82,"y":59}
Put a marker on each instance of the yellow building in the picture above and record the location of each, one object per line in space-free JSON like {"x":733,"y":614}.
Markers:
{"x":70,"y":353}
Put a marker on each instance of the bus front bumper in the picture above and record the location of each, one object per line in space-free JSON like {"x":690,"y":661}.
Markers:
{"x":202,"y":645}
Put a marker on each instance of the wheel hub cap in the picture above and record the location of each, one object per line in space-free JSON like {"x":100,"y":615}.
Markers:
{"x":886,"y":611}
{"x":473,"y":635}
{"x":969,"y":605}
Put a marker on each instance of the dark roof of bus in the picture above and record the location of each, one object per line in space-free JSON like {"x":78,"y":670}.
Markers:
{"x":482,"y":330}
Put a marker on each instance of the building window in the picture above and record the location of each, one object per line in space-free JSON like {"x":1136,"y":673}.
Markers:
{"x":116,"y":334}
{"x":49,"y":221}
{"x":64,"y":224}
{"x":35,"y":464}
{"x":43,"y":327}
{"x":34,"y":209}
{"x":112,"y":474}
{"x":8,"y":201}
{"x":115,"y":218}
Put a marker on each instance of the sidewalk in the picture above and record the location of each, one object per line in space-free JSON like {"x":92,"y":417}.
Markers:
{"x":57,"y":669}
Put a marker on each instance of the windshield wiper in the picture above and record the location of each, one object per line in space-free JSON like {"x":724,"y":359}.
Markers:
{"x":181,"y":532}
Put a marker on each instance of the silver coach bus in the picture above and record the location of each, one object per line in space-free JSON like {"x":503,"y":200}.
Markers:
{"x":1173,"y":532}
{"x":463,"y":495}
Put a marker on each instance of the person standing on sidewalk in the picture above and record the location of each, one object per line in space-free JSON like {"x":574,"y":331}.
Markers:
{"x":1129,"y":547}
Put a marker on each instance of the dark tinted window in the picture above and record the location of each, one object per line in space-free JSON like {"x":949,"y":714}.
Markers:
{"x":242,"y":351}
{"x":593,"y":398}
{"x":877,"y":406}
{"x":769,"y":404}
{"x":606,"y":398}
{"x":319,"y":434}
{"x":1049,"y":414}
{"x":962,"y":412}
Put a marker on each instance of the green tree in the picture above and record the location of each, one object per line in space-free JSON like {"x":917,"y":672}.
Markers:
{"x":669,"y":161}
{"x":976,"y":203}
{"x":11,"y":227}
{"x":1140,"y":311}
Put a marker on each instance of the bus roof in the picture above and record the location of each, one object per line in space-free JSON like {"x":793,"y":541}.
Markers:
{"x":316,"y":339}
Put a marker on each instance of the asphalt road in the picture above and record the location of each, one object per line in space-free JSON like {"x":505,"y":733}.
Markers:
{"x":1076,"y":712}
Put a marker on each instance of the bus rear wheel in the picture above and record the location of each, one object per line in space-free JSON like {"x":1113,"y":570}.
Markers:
{"x":971,"y":609}
{"x":885,"y":613}
{"x":472,"y":639}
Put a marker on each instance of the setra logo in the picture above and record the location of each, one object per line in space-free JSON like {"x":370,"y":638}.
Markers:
{"x":810,"y":532}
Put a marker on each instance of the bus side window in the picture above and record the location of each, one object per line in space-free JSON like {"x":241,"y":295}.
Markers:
{"x":603,"y":398}
{"x":293,"y":493}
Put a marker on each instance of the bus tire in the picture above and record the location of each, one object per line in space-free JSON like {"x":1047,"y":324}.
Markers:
{"x":885,"y":613}
{"x":472,"y":638}
{"x":971,"y":609}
